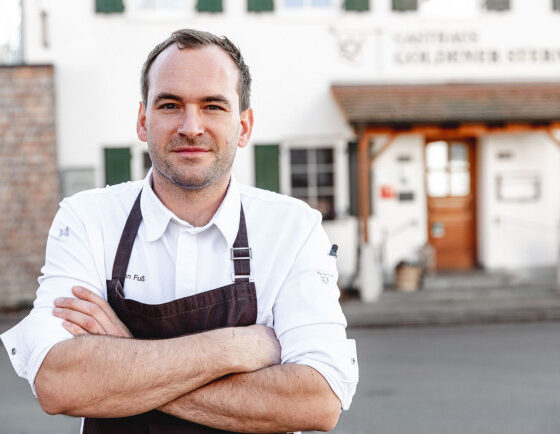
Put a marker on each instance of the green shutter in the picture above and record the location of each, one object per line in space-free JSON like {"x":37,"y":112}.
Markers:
{"x":405,"y":5}
{"x":497,"y":5}
{"x":353,"y":172}
{"x":109,"y":6}
{"x":356,"y":5}
{"x":117,"y":165}
{"x":267,"y":167}
{"x":260,"y":5}
{"x":209,"y":6}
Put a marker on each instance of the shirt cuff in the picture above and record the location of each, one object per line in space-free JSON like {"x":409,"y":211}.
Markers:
{"x":335,"y":359}
{"x":28,"y":346}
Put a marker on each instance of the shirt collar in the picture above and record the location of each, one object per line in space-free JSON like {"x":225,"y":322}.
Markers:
{"x":156,"y":216}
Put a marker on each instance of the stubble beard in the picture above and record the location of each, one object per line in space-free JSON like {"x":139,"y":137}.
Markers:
{"x":180,"y":176}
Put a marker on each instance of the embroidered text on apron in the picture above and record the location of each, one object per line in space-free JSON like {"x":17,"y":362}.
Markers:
{"x":228,"y":306}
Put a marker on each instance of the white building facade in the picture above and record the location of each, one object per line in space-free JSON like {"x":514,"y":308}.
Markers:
{"x":303,"y":144}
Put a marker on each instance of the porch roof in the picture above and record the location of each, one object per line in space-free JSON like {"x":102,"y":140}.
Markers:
{"x":401,"y":106}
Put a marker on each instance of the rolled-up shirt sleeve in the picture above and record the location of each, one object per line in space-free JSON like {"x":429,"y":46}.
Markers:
{"x":68,"y":262}
{"x":309,"y":321}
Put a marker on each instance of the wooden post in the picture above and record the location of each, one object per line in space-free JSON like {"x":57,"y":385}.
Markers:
{"x":363,"y":183}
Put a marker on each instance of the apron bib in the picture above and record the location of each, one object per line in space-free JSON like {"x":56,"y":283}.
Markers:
{"x":232,"y":305}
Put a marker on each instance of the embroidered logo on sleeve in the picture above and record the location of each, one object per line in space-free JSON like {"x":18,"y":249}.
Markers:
{"x":325,"y":278}
{"x":64,"y":232}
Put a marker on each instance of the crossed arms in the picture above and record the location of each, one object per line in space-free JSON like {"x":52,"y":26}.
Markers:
{"x":228,"y":378}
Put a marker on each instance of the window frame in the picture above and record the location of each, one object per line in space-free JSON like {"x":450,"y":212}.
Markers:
{"x":313,"y":190}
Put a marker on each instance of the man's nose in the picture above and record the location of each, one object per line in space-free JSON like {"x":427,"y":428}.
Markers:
{"x":191,"y":125}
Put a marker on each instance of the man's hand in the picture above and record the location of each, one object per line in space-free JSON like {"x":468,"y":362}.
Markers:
{"x":89,"y":314}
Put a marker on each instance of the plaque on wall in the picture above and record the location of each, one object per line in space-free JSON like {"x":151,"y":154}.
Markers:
{"x":518,"y":186}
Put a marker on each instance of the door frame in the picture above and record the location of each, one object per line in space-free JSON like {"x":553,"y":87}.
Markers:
{"x":473,"y":143}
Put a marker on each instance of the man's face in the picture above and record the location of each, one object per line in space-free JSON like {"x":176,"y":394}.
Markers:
{"x":191,"y":120}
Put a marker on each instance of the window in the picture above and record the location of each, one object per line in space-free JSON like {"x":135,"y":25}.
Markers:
{"x":405,"y":5}
{"x":356,"y":5}
{"x":168,"y":5}
{"x":76,"y":179}
{"x":117,"y":165}
{"x":307,"y":3}
{"x":109,"y":6}
{"x":312,"y":178}
{"x":209,"y":6}
{"x":260,"y":5}
{"x":11,"y":51}
{"x":556,"y":5}
{"x":267,"y":167}
{"x":447,"y":169}
{"x":497,"y":5}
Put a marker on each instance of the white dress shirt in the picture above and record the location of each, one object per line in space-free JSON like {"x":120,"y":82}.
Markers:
{"x":294,"y":275}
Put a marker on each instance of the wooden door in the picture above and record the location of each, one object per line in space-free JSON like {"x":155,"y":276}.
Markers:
{"x":451,"y":200}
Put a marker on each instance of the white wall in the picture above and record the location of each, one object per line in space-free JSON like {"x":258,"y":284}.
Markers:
{"x":399,"y":228}
{"x":295,"y":57}
{"x":515,"y":233}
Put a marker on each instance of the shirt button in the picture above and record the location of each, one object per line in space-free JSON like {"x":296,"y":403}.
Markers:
{"x":13,"y":351}
{"x":353,"y":360}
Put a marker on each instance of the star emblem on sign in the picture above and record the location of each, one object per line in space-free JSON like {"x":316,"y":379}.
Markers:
{"x":325,"y":278}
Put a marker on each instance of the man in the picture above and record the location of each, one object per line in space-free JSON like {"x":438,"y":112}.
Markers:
{"x":198,"y":304}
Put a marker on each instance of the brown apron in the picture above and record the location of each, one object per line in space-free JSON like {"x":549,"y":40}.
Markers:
{"x":228,"y":306}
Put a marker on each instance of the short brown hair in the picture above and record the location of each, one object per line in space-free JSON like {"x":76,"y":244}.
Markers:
{"x":189,"y":38}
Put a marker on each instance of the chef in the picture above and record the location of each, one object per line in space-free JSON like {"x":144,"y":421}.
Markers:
{"x":187,"y":302}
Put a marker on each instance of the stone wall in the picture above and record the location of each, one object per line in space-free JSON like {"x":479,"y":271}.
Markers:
{"x":29,"y":183}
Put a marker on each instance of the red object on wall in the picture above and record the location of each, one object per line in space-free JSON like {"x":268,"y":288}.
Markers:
{"x":387,"y":192}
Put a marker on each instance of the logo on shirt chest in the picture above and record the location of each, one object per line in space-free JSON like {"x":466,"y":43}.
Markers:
{"x":136,"y":277}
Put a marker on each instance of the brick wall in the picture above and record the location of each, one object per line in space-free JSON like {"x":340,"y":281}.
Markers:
{"x":29,"y":186}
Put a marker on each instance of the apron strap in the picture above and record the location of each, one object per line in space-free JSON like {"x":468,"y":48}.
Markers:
{"x":241,"y":253}
{"x":124,"y":250}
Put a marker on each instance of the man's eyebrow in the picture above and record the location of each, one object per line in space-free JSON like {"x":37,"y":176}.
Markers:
{"x":164,"y":95}
{"x":217,"y":98}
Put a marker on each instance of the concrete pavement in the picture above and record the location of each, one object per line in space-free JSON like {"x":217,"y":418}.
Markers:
{"x":462,"y":298}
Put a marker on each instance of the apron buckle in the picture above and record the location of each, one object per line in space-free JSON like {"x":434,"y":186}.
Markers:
{"x":249,"y":254}
{"x":234,"y":277}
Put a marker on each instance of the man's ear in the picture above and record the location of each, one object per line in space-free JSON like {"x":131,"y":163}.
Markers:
{"x":141,"y":123}
{"x":247,"y":120}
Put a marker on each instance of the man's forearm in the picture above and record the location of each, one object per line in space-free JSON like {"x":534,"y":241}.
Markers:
{"x":104,"y":376}
{"x":276,"y":399}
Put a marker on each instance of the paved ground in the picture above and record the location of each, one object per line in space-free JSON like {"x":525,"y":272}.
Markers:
{"x":423,"y":380}
{"x":489,"y":379}
{"x":457,"y":306}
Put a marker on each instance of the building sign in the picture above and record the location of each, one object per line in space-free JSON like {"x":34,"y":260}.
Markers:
{"x":464,"y":47}
{"x":471,"y":51}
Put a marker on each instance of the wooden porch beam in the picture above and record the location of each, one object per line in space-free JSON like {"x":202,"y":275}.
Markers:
{"x":386,"y":145}
{"x":554,"y":138}
{"x":363,"y":183}
{"x":464,"y":130}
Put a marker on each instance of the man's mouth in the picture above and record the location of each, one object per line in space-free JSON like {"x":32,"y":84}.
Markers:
{"x":191,"y":150}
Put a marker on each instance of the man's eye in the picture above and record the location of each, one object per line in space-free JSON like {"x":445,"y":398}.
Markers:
{"x":168,"y":106}
{"x":213,"y":107}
